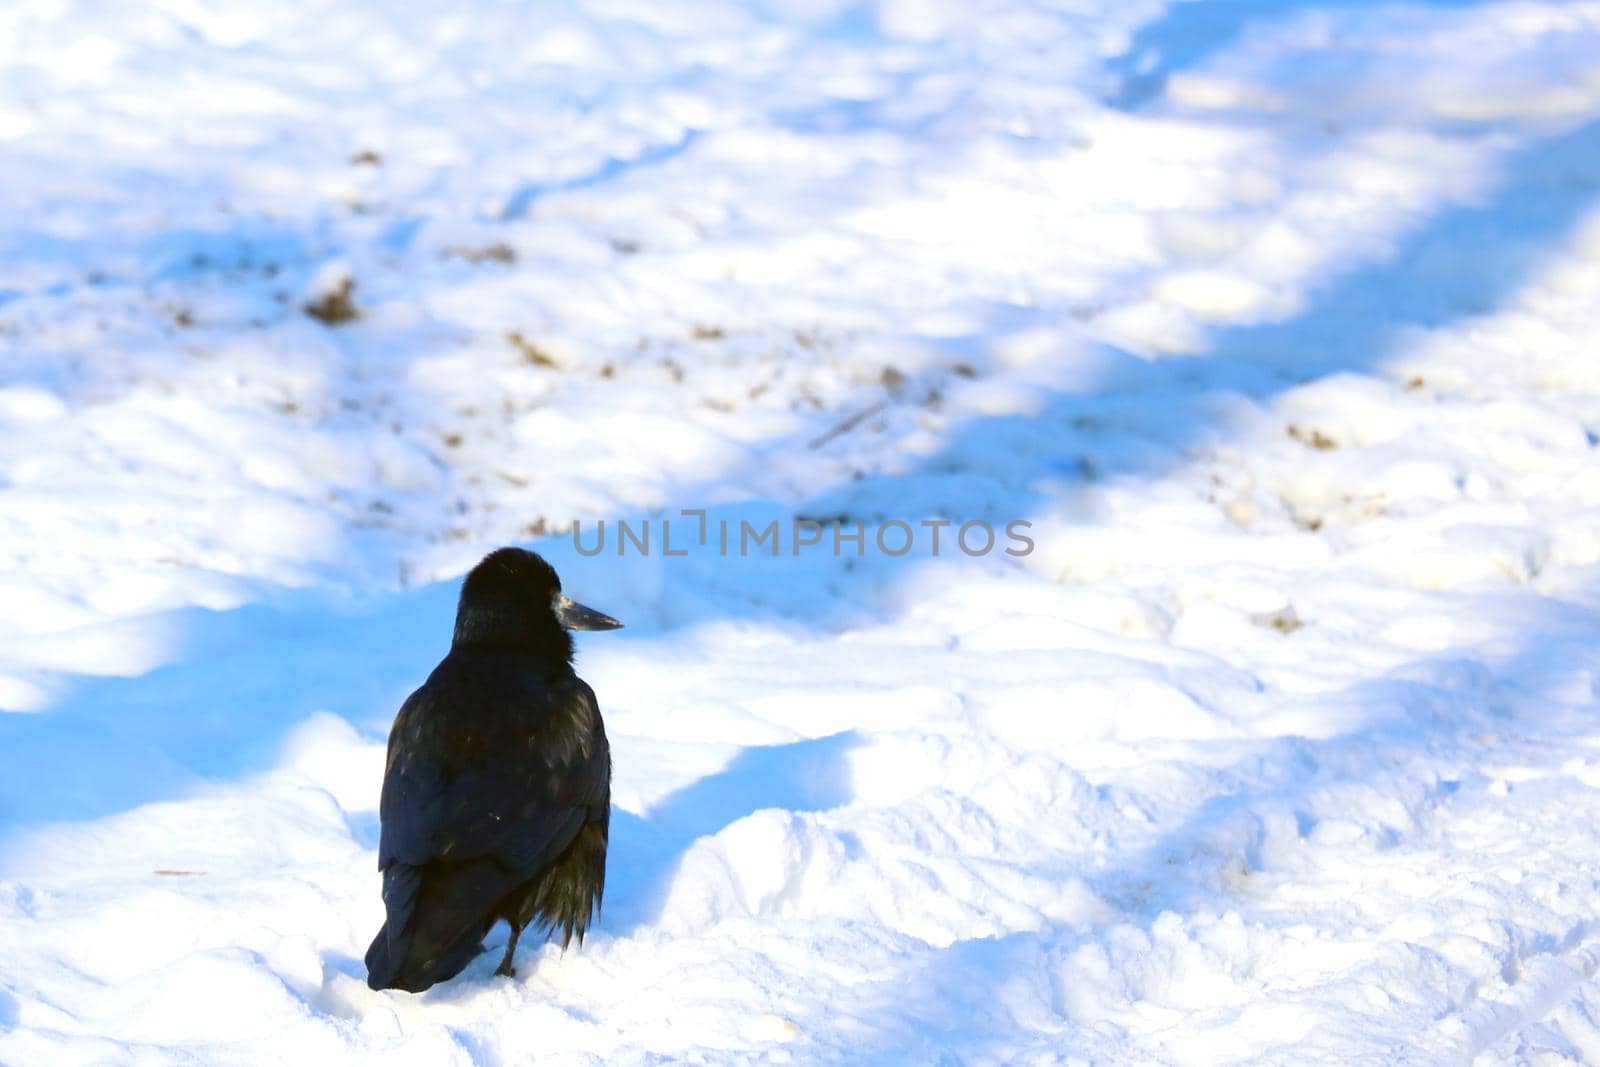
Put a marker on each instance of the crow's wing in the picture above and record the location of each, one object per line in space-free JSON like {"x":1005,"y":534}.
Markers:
{"x":513,"y":784}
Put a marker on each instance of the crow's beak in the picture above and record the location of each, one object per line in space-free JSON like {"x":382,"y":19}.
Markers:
{"x":574,"y":616}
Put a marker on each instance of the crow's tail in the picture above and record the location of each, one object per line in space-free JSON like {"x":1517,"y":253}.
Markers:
{"x":437,"y":919}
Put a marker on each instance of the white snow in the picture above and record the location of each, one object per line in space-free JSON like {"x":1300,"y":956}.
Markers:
{"x":1276,"y":320}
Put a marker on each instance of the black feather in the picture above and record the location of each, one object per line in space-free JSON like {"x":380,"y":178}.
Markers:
{"x":496,"y":795}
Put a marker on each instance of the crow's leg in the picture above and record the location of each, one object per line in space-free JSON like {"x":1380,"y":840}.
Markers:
{"x":505,"y":967}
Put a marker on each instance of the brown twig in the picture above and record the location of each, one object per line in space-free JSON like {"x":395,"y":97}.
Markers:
{"x":849,"y":424}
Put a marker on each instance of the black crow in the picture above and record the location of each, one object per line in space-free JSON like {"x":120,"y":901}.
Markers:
{"x":497,"y":792}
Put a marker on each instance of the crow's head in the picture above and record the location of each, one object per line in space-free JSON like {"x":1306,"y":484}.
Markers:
{"x":514,"y":598}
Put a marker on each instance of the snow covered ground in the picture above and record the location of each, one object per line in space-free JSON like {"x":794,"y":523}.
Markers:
{"x":1277,"y":320}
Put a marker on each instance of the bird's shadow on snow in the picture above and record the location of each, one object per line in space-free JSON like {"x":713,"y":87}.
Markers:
{"x":645,"y":851}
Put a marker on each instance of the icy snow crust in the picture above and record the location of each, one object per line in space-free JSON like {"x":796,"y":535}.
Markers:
{"x":1277,"y":321}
